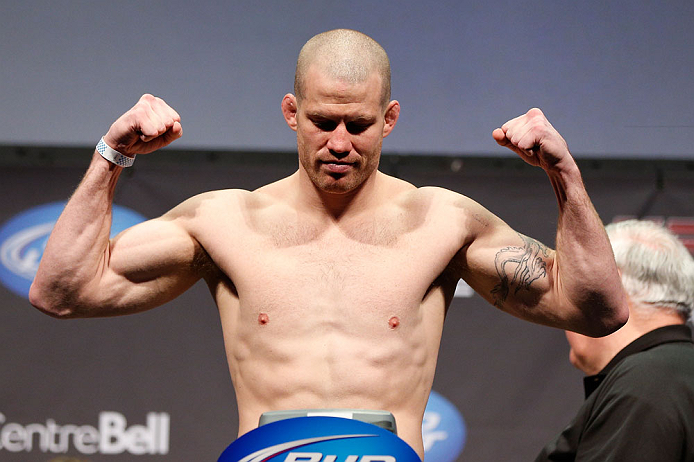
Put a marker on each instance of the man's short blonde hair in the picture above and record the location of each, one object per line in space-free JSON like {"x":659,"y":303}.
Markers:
{"x":346,"y":55}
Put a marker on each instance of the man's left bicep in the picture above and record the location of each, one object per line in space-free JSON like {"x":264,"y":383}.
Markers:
{"x":510,"y":270}
{"x":522,"y":272}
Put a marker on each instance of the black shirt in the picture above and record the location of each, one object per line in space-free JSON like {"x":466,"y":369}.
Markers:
{"x":640,"y":407}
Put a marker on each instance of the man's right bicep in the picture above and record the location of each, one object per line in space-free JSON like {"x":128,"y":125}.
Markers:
{"x":147,"y":265}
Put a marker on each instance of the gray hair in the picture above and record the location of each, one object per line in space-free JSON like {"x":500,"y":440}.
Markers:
{"x":657,"y":269}
{"x":347,"y":55}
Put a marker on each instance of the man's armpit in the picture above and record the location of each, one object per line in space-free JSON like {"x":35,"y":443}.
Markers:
{"x":518,"y":267}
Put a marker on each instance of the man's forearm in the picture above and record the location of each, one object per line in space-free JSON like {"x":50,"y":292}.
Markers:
{"x":584,"y":262}
{"x":77,"y":249}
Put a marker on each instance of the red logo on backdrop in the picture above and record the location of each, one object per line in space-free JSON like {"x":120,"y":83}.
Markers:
{"x":683,"y":227}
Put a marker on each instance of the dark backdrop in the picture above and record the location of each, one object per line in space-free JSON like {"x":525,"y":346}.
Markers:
{"x":510,"y":379}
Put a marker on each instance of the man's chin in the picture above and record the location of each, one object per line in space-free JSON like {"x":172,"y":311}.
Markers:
{"x":336,"y":188}
{"x":336,"y":185}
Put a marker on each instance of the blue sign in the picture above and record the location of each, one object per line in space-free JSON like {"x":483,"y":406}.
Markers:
{"x":443,"y":430}
{"x":23,"y":239}
{"x":319,"y":439}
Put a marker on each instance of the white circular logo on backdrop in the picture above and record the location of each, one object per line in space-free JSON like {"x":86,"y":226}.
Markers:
{"x":23,"y":238}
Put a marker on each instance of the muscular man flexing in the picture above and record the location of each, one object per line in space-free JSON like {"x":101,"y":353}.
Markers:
{"x":332,"y":284}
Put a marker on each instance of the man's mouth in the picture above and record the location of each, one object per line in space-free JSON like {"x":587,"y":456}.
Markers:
{"x":337,"y":167}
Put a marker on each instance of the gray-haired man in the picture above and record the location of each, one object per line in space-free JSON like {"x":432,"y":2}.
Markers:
{"x":640,"y":385}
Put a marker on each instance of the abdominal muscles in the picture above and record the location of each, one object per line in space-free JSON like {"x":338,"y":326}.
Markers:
{"x":360,"y":358}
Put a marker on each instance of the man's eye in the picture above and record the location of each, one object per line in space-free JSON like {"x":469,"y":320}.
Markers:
{"x":357,"y":128}
{"x":325,"y":125}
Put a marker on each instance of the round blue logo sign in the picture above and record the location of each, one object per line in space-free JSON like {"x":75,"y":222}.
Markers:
{"x":319,"y":439}
{"x":24,"y":236}
{"x":443,"y":430}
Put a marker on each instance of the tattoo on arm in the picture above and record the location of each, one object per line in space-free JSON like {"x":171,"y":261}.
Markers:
{"x":518,"y":267}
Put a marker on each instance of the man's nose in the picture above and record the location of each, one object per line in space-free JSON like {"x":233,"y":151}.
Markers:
{"x":339,"y":143}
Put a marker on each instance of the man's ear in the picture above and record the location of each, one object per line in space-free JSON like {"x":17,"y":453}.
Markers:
{"x":289,"y":108}
{"x":391,"y":117}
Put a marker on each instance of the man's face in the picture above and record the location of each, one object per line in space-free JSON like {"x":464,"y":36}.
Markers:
{"x":580,"y":347}
{"x":340,"y":129}
{"x":590,"y":354}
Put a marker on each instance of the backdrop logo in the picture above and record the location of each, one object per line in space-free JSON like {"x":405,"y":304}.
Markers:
{"x":112,"y":436}
{"x":24,"y":236}
{"x":319,"y":439}
{"x":443,"y":430}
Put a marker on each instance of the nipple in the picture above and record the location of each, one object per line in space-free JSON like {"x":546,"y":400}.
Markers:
{"x":263,"y":319}
{"x":394,"y":322}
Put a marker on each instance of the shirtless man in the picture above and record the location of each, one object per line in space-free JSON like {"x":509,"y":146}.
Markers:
{"x":332,"y":284}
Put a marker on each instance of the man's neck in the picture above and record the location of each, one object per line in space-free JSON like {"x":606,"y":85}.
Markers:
{"x":337,"y":206}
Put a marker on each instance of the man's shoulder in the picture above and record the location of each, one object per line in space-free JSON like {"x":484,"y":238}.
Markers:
{"x":442,"y":201}
{"x":650,"y":370}
{"x":669,"y":358}
{"x":201,"y":207}
{"x":435,"y":194}
{"x":214,"y":198}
